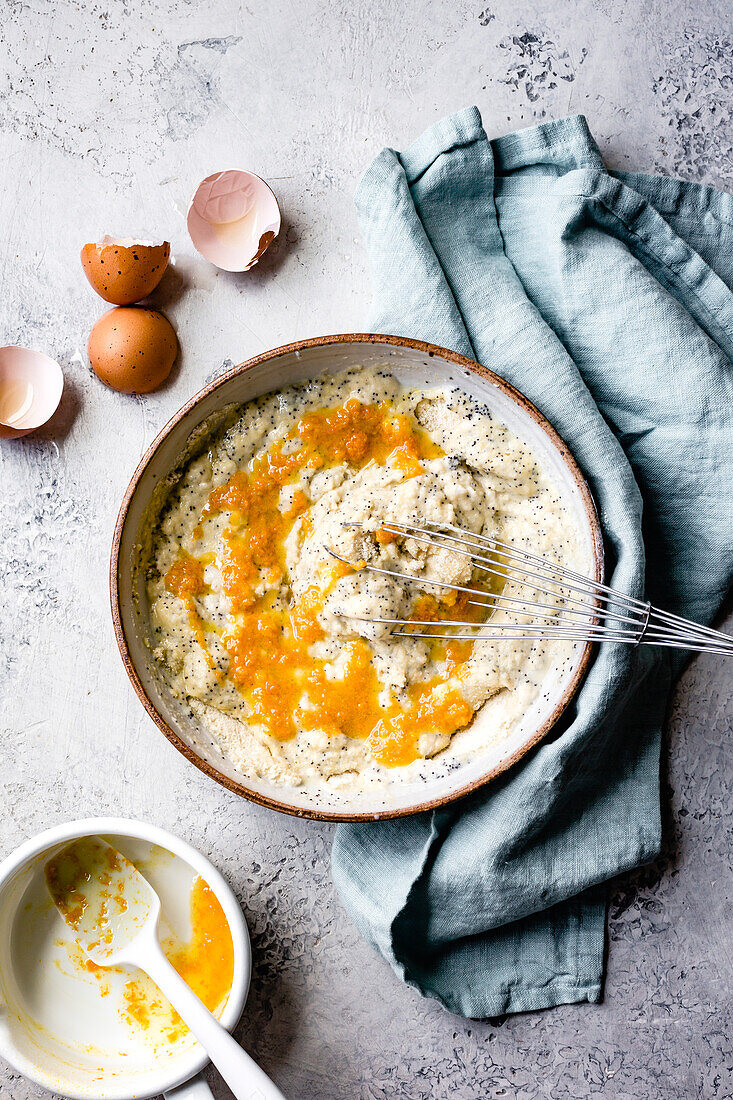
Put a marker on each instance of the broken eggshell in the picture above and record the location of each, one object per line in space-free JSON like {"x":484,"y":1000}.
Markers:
{"x":233,"y":219}
{"x":122,"y":270}
{"x":31,"y":385}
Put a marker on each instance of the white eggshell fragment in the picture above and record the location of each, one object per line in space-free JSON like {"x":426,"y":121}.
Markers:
{"x":31,"y":385}
{"x":233,"y":218}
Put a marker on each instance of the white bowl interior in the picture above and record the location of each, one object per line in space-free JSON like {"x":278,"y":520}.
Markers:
{"x":56,"y":1024}
{"x":413,"y":368}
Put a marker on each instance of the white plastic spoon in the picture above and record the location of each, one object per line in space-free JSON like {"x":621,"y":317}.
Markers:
{"x":114,"y":912}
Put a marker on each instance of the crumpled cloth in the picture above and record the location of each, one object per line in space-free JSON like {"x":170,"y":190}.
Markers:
{"x":606,"y":298}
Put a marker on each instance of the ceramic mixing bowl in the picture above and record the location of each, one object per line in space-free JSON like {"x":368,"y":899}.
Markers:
{"x":414,"y":364}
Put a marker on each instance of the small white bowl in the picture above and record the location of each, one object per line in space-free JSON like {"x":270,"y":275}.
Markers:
{"x":31,"y":385}
{"x":58,"y":1030}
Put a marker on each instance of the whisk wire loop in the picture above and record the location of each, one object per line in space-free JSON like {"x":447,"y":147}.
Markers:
{"x":568,"y":607}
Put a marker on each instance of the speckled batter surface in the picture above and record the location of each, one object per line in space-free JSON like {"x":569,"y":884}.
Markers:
{"x":111,"y":113}
{"x":221,"y":578}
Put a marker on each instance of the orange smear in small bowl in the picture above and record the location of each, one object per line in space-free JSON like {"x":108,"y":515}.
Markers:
{"x":205,"y":962}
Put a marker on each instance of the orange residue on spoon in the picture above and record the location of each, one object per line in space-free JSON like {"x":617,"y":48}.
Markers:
{"x":72,"y":869}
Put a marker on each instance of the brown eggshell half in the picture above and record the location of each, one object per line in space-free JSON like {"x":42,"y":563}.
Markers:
{"x":123,"y":272}
{"x":132,"y":349}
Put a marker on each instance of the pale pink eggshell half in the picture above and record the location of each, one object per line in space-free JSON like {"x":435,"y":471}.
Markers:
{"x":31,"y":385}
{"x":233,"y":218}
{"x":225,"y":197}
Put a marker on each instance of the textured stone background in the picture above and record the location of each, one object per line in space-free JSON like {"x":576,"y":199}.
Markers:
{"x":110,"y":113}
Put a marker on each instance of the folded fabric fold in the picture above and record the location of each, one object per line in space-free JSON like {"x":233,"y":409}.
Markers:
{"x":607,"y":300}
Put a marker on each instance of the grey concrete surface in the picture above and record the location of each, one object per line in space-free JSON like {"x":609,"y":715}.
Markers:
{"x":110,"y":112}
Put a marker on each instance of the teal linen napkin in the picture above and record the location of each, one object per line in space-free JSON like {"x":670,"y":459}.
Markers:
{"x":607,"y":300}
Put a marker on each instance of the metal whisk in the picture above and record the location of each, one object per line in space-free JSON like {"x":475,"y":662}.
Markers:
{"x":582,"y":608}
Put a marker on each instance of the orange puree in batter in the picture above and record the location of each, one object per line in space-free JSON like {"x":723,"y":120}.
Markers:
{"x":353,"y":433}
{"x":268,"y":651}
{"x":185,"y":578}
{"x":206,"y":964}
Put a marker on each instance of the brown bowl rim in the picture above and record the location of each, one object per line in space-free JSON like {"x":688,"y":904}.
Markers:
{"x":431,"y":350}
